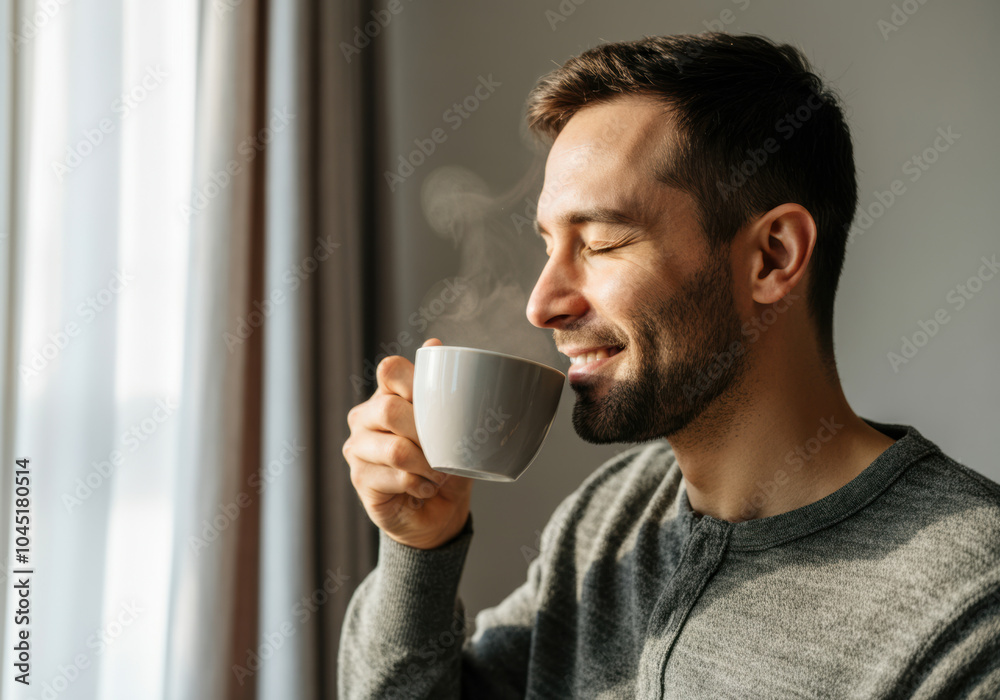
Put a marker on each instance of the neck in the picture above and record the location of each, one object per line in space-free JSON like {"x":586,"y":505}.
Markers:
{"x":781,"y":437}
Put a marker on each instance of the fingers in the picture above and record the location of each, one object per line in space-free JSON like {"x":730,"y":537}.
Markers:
{"x":383,"y":483}
{"x":392,"y":451}
{"x":385,"y":413}
{"x":394,"y":374}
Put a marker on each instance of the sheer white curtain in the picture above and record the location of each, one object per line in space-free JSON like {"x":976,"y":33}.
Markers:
{"x":103,"y":139}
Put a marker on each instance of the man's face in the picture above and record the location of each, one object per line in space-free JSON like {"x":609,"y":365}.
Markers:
{"x":631,"y":283}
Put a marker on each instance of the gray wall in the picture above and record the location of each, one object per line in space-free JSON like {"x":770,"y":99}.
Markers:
{"x":937,"y":70}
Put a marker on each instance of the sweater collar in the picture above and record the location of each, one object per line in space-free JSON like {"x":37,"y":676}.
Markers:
{"x":763,"y":533}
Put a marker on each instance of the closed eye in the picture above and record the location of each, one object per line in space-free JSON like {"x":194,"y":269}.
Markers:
{"x":620,"y":242}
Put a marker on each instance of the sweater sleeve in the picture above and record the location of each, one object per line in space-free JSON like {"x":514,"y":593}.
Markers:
{"x":964,"y":661}
{"x":404,"y":626}
{"x":404,"y":634}
{"x":495,"y":659}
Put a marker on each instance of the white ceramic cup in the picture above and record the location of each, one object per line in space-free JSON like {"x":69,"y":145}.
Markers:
{"x":482,"y":414}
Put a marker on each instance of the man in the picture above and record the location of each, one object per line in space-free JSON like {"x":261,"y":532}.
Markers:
{"x":764,"y":541}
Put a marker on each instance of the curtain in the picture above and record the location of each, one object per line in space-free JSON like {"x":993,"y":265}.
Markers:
{"x":186,"y":246}
{"x":93,"y":254}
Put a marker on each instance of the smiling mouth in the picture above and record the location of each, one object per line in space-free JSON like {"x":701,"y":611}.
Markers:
{"x":586,"y":367}
{"x":589,"y":357}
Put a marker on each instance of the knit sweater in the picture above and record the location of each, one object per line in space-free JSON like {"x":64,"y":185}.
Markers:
{"x":887,"y":588}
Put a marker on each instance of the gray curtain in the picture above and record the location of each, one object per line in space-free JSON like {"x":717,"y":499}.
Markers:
{"x":276,"y":309}
{"x":347,"y":137}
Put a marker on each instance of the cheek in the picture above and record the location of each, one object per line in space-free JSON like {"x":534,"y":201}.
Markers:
{"x":623,"y":296}
{"x":612,"y":295}
{"x":629,"y":287}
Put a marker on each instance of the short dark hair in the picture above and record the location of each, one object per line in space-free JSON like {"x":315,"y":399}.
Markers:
{"x":756,"y":128}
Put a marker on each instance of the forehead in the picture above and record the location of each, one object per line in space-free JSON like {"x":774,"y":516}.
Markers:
{"x":606,"y":155}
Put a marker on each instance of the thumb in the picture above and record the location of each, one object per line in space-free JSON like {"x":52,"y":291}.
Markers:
{"x":431,"y":342}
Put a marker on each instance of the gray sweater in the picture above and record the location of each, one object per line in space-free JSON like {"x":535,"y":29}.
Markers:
{"x":887,"y":588}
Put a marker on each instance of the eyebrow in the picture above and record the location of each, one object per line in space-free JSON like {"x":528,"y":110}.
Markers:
{"x":598,"y":215}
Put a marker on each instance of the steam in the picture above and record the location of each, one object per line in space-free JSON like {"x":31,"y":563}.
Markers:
{"x":500,"y":259}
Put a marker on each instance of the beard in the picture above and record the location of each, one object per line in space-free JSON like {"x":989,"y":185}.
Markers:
{"x":688,"y":349}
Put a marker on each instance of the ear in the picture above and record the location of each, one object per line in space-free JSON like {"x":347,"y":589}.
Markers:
{"x":780,"y":244}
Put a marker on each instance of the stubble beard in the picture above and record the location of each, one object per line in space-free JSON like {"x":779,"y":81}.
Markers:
{"x":656,"y":400}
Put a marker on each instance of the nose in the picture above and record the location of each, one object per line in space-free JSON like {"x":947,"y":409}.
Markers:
{"x":556,"y":298}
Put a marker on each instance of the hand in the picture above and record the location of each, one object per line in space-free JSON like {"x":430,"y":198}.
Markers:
{"x":402,"y":495}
